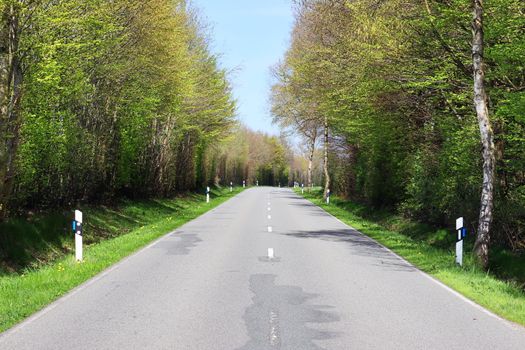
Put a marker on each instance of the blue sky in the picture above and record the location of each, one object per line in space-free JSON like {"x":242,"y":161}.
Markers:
{"x":250,"y":36}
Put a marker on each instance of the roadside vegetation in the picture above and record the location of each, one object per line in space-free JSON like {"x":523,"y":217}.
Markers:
{"x":432,"y":251}
{"x":413,"y":106}
{"x":121,"y":109}
{"x":101,"y":100}
{"x":42,"y":267}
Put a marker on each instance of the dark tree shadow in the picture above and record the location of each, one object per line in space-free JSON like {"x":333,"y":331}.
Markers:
{"x":359,"y":244}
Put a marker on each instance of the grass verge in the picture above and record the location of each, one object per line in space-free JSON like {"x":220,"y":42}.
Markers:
{"x":431,"y":251}
{"x":112,"y":234}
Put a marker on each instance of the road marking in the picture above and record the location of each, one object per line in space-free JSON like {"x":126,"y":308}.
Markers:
{"x":269,"y":209}
{"x":270,"y":253}
{"x":274,"y":338}
{"x":269,"y":217}
{"x":269,"y":204}
{"x":269,"y":229}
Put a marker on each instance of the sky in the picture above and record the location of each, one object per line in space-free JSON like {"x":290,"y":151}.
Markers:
{"x":250,"y":37}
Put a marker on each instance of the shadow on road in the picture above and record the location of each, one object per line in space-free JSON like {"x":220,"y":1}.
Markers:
{"x":360,"y":245}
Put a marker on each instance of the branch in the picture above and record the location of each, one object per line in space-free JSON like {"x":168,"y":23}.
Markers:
{"x":445,"y":45}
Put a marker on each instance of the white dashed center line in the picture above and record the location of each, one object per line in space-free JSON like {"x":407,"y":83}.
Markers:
{"x":274,"y":329}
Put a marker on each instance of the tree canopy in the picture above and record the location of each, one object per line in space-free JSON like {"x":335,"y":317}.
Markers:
{"x":395,"y":81}
{"x":101,"y":99}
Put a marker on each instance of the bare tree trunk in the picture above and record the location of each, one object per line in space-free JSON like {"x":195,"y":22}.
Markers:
{"x":481,"y":246}
{"x":310,"y":162}
{"x":326,"y":174}
{"x":10,"y":93}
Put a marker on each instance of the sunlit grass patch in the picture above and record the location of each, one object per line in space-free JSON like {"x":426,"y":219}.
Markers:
{"x":125,"y":229}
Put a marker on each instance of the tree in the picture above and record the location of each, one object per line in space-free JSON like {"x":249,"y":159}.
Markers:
{"x":294,"y":111}
{"x":394,"y":80}
{"x":11,"y":78}
{"x":128,"y":87}
{"x":481,"y":246}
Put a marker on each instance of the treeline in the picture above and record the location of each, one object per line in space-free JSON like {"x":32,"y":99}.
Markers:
{"x":387,"y":88}
{"x":103,"y":99}
{"x":100,"y":99}
{"x":254,"y":157}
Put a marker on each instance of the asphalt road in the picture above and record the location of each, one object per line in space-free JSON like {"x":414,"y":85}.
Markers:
{"x":211,"y":285}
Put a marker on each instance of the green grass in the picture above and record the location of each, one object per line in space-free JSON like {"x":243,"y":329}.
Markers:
{"x":432,"y":251}
{"x":47,"y":271}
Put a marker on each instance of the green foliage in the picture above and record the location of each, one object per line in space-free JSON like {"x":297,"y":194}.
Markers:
{"x":394,"y":79}
{"x":120,"y":97}
{"x":253,"y":157}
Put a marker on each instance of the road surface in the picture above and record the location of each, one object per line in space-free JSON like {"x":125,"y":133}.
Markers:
{"x":211,"y":285}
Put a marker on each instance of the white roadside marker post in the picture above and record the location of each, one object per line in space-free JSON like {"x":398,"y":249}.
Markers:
{"x":328,"y":196}
{"x":231,"y":186}
{"x":243,"y":183}
{"x":270,"y":253}
{"x":77,"y":228}
{"x":207,"y":194}
{"x":257,"y":182}
{"x":302,"y":188}
{"x":462,"y":233}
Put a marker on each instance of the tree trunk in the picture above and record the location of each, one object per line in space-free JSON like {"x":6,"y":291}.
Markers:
{"x":481,"y":246}
{"x":10,"y":93}
{"x":326,"y":174}
{"x":310,"y":162}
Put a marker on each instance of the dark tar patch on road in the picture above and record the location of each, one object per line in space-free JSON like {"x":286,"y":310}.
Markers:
{"x":279,"y":315}
{"x":181,"y":246}
{"x":267,"y":259}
